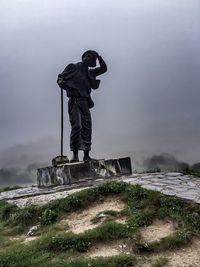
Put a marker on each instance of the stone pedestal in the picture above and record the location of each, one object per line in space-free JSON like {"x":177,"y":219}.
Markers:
{"x":70,"y":173}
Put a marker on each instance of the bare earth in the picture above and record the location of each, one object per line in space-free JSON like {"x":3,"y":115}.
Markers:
{"x":157,"y":230}
{"x":110,"y":249}
{"x":78,"y":222}
{"x":185,"y":257}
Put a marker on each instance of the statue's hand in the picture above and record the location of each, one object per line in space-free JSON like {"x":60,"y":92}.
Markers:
{"x":98,"y":56}
{"x":61,"y":82}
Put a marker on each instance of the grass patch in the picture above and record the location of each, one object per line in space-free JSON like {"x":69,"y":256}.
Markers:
{"x":6,"y":210}
{"x":40,"y":250}
{"x":172,"y":242}
{"x":142,"y":208}
{"x":51,"y":212}
{"x":81,"y":242}
{"x":191,"y":172}
{"x":23,"y":257}
{"x":32,"y":258}
{"x":117,"y":261}
{"x":25,"y":217}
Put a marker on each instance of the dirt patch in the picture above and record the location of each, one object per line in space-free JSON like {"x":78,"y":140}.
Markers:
{"x":109,"y":249}
{"x":185,"y":257}
{"x":82,"y":221}
{"x":30,"y":238}
{"x":158,"y":230}
{"x":122,"y":220}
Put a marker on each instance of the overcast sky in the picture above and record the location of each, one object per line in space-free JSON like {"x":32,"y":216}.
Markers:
{"x":148,"y":101}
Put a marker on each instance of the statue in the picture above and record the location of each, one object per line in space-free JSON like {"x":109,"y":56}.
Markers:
{"x":78,"y":80}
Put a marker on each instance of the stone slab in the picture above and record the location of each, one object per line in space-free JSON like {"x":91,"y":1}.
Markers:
{"x":70,"y":173}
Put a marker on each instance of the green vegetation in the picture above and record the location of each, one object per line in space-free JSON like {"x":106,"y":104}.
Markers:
{"x":172,"y":242}
{"x":24,"y":258}
{"x":191,"y":172}
{"x":51,"y":212}
{"x":56,"y":247}
{"x":119,"y":261}
{"x":81,"y":242}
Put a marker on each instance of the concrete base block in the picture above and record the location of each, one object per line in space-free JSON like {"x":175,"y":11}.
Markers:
{"x":70,"y":173}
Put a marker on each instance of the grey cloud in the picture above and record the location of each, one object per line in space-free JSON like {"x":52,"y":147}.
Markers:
{"x":24,"y":155}
{"x":163,"y":162}
{"x":10,"y":177}
{"x":148,"y":102}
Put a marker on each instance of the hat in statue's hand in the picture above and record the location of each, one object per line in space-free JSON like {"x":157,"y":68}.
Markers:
{"x":91,"y":52}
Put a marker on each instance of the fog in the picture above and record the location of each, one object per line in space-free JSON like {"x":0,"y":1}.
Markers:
{"x":148,"y":101}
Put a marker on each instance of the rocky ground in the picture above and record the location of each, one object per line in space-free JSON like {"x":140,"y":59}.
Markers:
{"x":96,"y":214}
{"x":173,"y":184}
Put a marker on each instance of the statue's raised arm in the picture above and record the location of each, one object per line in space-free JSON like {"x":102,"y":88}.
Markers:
{"x":99,"y":70}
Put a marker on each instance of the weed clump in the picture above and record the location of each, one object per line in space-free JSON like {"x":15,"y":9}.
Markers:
{"x":49,"y":217}
{"x":6,"y":210}
{"x":25,"y":217}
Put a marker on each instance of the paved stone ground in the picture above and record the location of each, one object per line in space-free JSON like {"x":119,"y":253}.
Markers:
{"x":174,"y":184}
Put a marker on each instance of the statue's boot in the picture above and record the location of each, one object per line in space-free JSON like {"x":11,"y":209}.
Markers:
{"x":75,"y":157}
{"x":87,"y":156}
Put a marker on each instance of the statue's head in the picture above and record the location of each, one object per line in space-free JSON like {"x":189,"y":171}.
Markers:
{"x":89,"y":58}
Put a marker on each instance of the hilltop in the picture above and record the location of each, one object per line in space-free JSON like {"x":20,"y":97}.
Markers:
{"x":110,"y":224}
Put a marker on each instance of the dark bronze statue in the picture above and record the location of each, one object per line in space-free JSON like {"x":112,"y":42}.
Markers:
{"x":78,"y":80}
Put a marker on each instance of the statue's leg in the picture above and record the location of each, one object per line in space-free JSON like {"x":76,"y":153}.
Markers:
{"x":86,"y":123}
{"x":75,"y":121}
